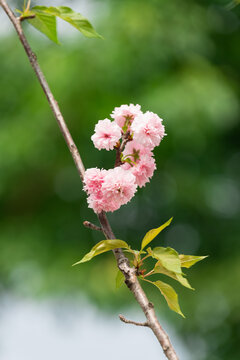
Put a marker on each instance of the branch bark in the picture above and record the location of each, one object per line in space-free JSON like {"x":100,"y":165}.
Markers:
{"x":122,"y":262}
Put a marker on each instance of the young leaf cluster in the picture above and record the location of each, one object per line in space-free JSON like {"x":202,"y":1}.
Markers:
{"x":167,"y":262}
{"x":43,"y":18}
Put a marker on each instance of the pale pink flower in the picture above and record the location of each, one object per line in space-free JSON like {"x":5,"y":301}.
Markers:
{"x":93,"y":180}
{"x":148,"y":129}
{"x":109,"y":189}
{"x":143,"y":170}
{"x":118,"y":188}
{"x":135,"y":151}
{"x":96,"y":202}
{"x":126,"y":113}
{"x":107,"y":134}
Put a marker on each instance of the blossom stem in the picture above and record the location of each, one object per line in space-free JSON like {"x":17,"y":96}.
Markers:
{"x":120,"y":149}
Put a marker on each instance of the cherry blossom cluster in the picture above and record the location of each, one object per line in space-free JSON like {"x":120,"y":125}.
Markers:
{"x":133,"y":134}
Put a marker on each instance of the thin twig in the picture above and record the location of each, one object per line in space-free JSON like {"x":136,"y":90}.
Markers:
{"x":123,"y":264}
{"x":91,"y":226}
{"x":126,"y":321}
{"x":149,"y":273}
{"x":22,"y":18}
{"x":142,"y":260}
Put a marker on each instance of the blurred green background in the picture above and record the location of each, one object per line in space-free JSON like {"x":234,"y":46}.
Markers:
{"x":179,"y":59}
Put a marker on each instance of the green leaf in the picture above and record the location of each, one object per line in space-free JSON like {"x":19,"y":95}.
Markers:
{"x":101,"y":247}
{"x":45,"y":23}
{"x":170,"y":295}
{"x":73,"y":18}
{"x":119,"y":279}
{"x":159,"y":269}
{"x":168,"y":258}
{"x":150,"y":235}
{"x":19,"y":11}
{"x":189,"y":260}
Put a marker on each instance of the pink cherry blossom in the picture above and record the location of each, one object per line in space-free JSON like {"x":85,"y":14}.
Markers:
{"x":107,"y":134}
{"x":118,"y":188}
{"x":143,"y":170}
{"x":126,"y":112}
{"x":109,"y":189}
{"x":135,"y":151}
{"x":96,"y":202}
{"x":93,"y":180}
{"x":148,"y":129}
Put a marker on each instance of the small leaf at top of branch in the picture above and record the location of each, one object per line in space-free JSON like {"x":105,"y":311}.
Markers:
{"x":43,"y":18}
{"x":45,"y":23}
{"x":73,"y":18}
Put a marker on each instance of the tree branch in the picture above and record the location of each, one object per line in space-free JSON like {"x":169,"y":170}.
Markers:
{"x":91,"y":226}
{"x":123,"y":264}
{"x":126,"y":321}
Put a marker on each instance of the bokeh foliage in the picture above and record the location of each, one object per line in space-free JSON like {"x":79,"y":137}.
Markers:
{"x":179,"y":59}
